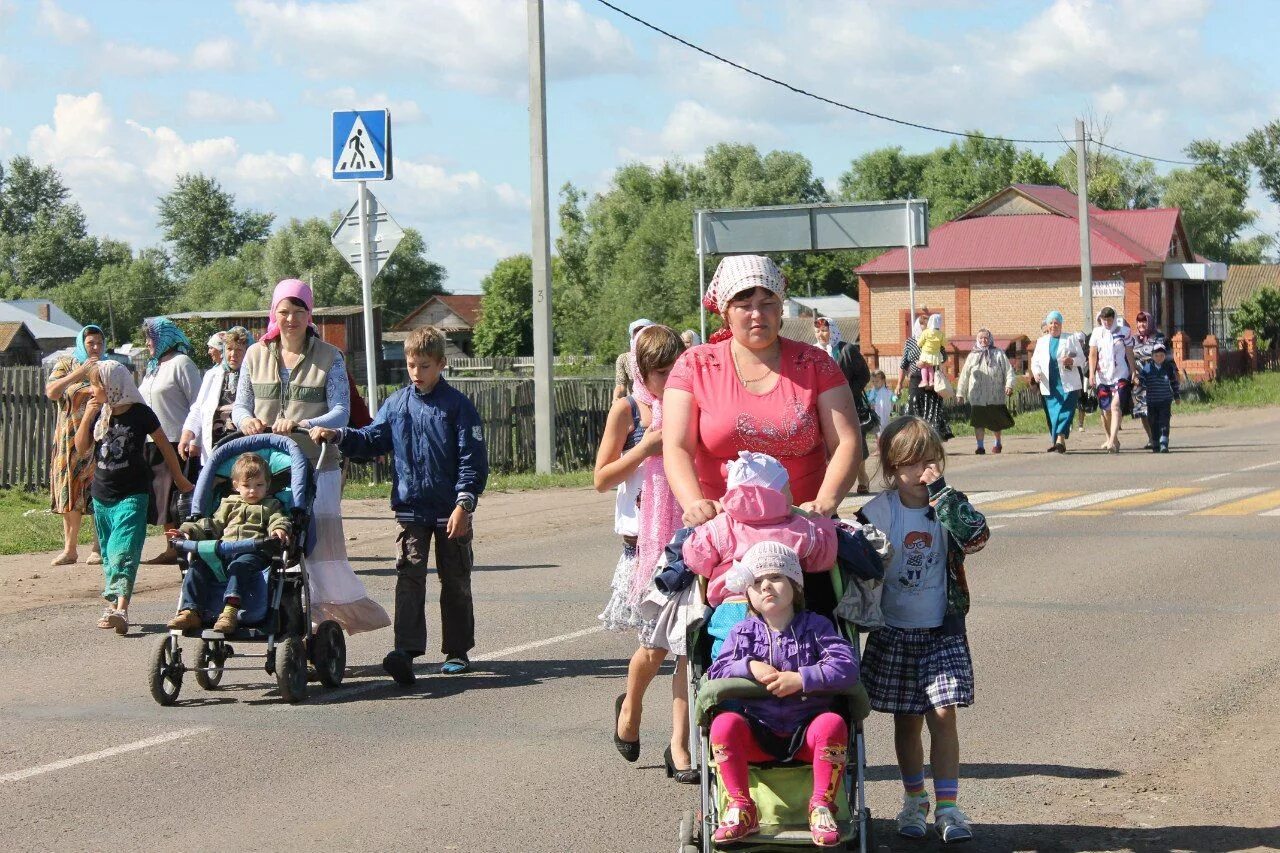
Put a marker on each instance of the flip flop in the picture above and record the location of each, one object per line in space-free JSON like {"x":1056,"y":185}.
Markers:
{"x":455,"y":666}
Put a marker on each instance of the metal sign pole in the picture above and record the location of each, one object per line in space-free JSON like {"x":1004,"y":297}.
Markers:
{"x":366,"y":287}
{"x":702,"y":281}
{"x":911,"y":264}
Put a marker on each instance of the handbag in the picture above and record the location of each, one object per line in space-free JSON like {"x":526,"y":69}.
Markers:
{"x":942,"y":385}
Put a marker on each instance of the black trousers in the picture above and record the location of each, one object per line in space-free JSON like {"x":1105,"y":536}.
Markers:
{"x":1159,"y":415}
{"x":454,"y":560}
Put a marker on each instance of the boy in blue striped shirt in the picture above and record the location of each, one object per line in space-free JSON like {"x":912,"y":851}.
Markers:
{"x":1160,"y":377}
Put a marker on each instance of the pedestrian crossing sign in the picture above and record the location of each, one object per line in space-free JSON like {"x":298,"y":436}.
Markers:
{"x":362,"y":145}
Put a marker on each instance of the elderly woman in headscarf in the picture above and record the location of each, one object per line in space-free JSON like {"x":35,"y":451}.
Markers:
{"x":986,"y":381}
{"x":71,"y":473}
{"x":690,"y":338}
{"x":848,"y":358}
{"x":210,"y":417}
{"x":169,"y":388}
{"x":1054,"y":365}
{"x":291,"y":379}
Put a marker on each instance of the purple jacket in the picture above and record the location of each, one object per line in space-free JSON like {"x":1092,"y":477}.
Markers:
{"x":811,"y":646}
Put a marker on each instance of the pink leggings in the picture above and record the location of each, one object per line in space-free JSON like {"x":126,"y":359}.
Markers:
{"x":826,"y":743}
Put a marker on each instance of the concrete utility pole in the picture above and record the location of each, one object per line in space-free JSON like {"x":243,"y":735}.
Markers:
{"x":543,"y":373}
{"x":1082,"y":211}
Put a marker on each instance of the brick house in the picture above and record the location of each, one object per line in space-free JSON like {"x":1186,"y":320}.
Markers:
{"x":1009,"y":260}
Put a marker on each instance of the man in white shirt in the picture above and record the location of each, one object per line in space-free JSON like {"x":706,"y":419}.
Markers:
{"x":1110,"y":370}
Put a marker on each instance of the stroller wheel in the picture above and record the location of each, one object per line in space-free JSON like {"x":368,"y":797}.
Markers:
{"x":329,"y":653}
{"x":688,"y":830}
{"x":209,"y":665}
{"x":291,"y":669}
{"x":165,"y":676}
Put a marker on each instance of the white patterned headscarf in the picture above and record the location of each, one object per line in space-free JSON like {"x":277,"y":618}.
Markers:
{"x":118,"y":382}
{"x":743,"y":272}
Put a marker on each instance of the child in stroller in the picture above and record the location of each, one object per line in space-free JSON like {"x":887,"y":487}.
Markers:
{"x":800,"y":658}
{"x":250,"y":513}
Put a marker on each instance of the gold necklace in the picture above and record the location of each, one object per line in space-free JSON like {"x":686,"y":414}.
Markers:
{"x":768,"y":371}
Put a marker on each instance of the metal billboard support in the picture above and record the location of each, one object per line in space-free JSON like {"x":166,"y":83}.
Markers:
{"x":702,"y":280}
{"x":911,"y":262}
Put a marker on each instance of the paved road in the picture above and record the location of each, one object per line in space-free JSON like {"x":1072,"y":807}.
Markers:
{"x":1124,"y":628}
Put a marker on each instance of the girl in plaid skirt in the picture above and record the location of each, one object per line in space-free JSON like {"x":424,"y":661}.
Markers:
{"x":917,"y":667}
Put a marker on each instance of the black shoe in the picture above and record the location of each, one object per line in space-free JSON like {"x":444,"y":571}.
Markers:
{"x":399,"y":665}
{"x":1148,"y":446}
{"x":980,"y":451}
{"x":629,"y":749}
{"x":684,"y":777}
{"x":1164,"y":448}
{"x":1053,"y":448}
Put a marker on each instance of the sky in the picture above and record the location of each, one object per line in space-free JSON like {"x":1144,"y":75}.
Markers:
{"x":124,"y":96}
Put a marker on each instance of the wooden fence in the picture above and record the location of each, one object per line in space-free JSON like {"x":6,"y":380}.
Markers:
{"x":27,"y":418}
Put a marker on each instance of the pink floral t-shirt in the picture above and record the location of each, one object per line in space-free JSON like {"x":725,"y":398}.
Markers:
{"x":783,"y":423}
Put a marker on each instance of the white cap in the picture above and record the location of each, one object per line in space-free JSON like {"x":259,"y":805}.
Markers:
{"x":637,"y":325}
{"x":761,"y":559}
{"x":756,"y":469}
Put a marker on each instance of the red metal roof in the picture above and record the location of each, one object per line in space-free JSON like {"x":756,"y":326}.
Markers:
{"x":466,"y":307}
{"x":1037,"y":241}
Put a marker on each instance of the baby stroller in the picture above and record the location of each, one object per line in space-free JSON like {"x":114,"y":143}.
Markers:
{"x":781,"y":790}
{"x":276,"y":611}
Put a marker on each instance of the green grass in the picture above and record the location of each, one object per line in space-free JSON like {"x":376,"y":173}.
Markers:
{"x":26,"y":525}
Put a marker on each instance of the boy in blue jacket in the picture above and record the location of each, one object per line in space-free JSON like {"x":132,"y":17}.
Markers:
{"x":436,"y":442}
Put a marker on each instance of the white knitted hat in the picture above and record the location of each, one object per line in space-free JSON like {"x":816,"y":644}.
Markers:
{"x":756,"y":469}
{"x":761,"y":559}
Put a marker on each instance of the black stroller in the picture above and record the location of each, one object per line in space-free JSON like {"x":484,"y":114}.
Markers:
{"x":276,"y":611}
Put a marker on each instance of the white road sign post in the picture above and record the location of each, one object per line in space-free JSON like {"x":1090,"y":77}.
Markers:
{"x":366,"y":237}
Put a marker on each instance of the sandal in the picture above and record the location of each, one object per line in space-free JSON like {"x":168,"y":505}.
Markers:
{"x":823,"y":828}
{"x":119,"y":619}
{"x":104,"y":621}
{"x":64,"y":559}
{"x":455,"y":665}
{"x":95,"y":558}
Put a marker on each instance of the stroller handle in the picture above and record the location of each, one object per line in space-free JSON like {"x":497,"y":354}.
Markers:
{"x":233,"y":434}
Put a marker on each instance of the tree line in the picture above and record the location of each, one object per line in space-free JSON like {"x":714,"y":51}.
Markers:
{"x":628,"y":252}
{"x":215,"y":255}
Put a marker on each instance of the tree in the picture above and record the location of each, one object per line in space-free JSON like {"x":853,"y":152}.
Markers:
{"x":1213,"y":196}
{"x":301,"y":249}
{"x":1115,"y":182}
{"x":120,"y":294}
{"x":43,"y":238}
{"x":200,"y":220}
{"x":1262,"y":148}
{"x":506,"y":309}
{"x":884,"y":174}
{"x":1260,"y":312}
{"x":236,"y":283}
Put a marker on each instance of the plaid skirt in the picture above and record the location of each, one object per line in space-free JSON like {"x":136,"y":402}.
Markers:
{"x":915,"y":670}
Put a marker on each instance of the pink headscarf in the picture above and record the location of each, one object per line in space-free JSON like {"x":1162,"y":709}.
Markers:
{"x":290,"y":288}
{"x":660,"y":514}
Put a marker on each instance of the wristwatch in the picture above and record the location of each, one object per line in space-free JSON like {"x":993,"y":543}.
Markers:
{"x":467,"y":502}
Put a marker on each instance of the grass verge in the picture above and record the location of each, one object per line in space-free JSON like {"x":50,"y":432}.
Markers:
{"x":497,"y":483}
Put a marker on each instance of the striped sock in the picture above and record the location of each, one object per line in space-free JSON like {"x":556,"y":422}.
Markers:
{"x":946,"y":790}
{"x":914,"y":784}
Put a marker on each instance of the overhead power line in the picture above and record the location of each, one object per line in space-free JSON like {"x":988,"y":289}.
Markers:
{"x":850,"y":107}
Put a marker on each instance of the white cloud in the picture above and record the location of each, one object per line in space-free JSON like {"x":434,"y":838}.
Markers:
{"x":6,"y":142}
{"x":117,"y":169}
{"x":215,"y":55}
{"x":486,"y":243}
{"x":8,"y":8}
{"x":689,"y":129}
{"x":403,"y":111}
{"x":136,"y":59}
{"x":62,"y":25}
{"x":478,"y":47}
{"x":218,"y":108}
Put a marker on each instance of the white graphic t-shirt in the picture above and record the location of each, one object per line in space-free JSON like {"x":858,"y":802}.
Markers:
{"x":915,"y":581}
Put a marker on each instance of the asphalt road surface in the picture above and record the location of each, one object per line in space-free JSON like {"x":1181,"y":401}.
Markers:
{"x":1124,"y":627}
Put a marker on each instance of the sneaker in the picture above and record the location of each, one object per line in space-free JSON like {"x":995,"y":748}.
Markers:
{"x":1164,"y":448}
{"x":952,"y":826}
{"x":913,"y":820}
{"x":228,"y":621}
{"x":119,"y":620}
{"x":455,"y":665}
{"x":996,"y":448}
{"x":979,"y":451}
{"x":186,"y":620}
{"x":739,"y":821}
{"x":823,"y":828}
{"x":399,"y":665}
{"x":104,"y":621}
{"x":1148,"y":446}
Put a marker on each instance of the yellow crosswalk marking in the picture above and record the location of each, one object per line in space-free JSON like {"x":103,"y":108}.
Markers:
{"x":1026,"y":501}
{"x":1143,"y":499}
{"x":1246,"y":506}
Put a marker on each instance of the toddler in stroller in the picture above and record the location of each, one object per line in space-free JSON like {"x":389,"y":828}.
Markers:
{"x":792,"y":666}
{"x":250,"y":514}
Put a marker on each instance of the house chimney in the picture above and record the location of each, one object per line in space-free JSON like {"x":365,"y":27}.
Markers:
{"x":42,"y":311}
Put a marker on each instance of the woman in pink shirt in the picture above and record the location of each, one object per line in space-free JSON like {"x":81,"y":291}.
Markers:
{"x":750,"y":389}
